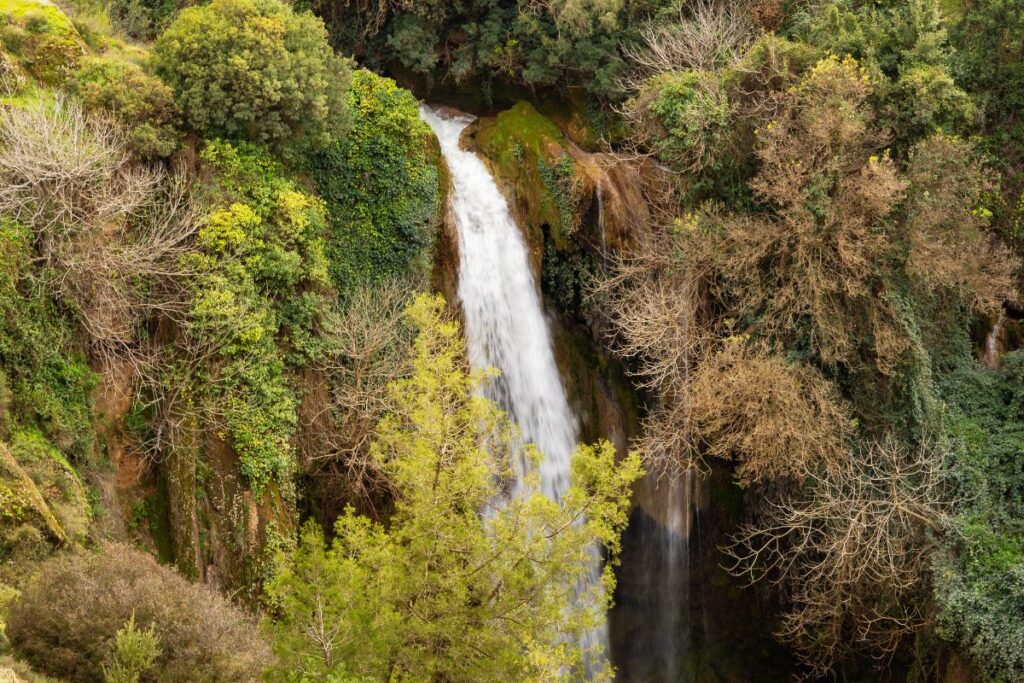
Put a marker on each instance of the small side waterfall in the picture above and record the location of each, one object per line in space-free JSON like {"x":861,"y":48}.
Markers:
{"x":504,"y":320}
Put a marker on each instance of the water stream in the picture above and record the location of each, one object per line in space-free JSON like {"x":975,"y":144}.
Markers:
{"x":504,"y":319}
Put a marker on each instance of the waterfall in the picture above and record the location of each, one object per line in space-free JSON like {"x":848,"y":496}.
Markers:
{"x":505,"y":326}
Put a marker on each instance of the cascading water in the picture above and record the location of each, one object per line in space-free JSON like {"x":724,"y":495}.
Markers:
{"x":504,"y":320}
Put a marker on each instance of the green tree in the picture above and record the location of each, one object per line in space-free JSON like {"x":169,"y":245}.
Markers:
{"x":464,"y":583}
{"x":254,"y":70}
{"x":133,"y":653}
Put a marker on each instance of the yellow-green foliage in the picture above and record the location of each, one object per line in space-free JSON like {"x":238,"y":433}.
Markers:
{"x":257,"y":299}
{"x":56,"y":480}
{"x":23,"y":504}
{"x":506,"y":582}
{"x":41,"y":37}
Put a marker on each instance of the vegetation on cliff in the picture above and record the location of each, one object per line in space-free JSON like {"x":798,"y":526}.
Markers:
{"x":213,"y":252}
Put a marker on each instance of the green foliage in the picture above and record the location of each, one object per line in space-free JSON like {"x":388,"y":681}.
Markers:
{"x":260,"y":271}
{"x":691,"y":114}
{"x":562,"y":185}
{"x":979,"y":575}
{"x":46,"y":382}
{"x":988,"y":36}
{"x":134,"y":652}
{"x":254,"y":70}
{"x":139,"y":101}
{"x":380,"y":185}
{"x":549,"y":43}
{"x":904,"y":46}
{"x":924,"y":100}
{"x":455,"y":586}
{"x":143,"y":19}
{"x":41,"y":37}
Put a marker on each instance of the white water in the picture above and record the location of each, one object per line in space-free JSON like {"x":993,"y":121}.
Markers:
{"x":504,"y":319}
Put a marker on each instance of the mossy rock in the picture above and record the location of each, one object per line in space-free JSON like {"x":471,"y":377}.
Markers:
{"x":56,"y":479}
{"x":529,"y":155}
{"x":25,"y":517}
{"x":41,"y":38}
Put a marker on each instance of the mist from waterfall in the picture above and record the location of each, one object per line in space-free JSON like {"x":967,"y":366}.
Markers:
{"x":504,"y":319}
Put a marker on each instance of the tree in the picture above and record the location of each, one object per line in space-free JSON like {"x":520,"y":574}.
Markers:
{"x":464,"y":582}
{"x":852,"y":554}
{"x":133,"y":653}
{"x":254,"y":70}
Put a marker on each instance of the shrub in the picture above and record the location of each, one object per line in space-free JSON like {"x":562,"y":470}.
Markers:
{"x":143,"y":19}
{"x":683,"y":117}
{"x":254,"y":70}
{"x":385,"y":601}
{"x":381,"y":188}
{"x":68,"y":616}
{"x":139,"y":101}
{"x":777,"y":419}
{"x":947,"y":220}
{"x":924,"y":100}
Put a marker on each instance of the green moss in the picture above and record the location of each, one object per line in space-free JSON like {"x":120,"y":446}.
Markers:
{"x":25,"y":516}
{"x":55,"y":479}
{"x":41,"y":37}
{"x":528,"y":153}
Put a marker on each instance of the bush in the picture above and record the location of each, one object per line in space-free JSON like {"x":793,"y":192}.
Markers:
{"x":254,"y":70}
{"x":380,"y":185}
{"x":67,"y":618}
{"x":139,"y":101}
{"x":926,"y":100}
{"x":683,"y":117}
{"x":777,"y":419}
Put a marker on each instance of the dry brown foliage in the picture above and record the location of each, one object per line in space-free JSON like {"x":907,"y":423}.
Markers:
{"x":109,"y":232}
{"x":66,"y":618}
{"x":813,"y":268}
{"x":946,"y":221}
{"x":368,"y":346}
{"x":777,"y":419}
{"x":706,"y":36}
{"x":851,"y":552}
{"x":657,"y":302}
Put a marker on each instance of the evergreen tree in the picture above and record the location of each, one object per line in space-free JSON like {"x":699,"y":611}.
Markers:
{"x":465,"y":582}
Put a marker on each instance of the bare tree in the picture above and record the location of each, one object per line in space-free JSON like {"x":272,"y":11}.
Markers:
{"x":708,"y":35}
{"x":109,"y":232}
{"x":368,"y":346}
{"x":851,"y":552}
